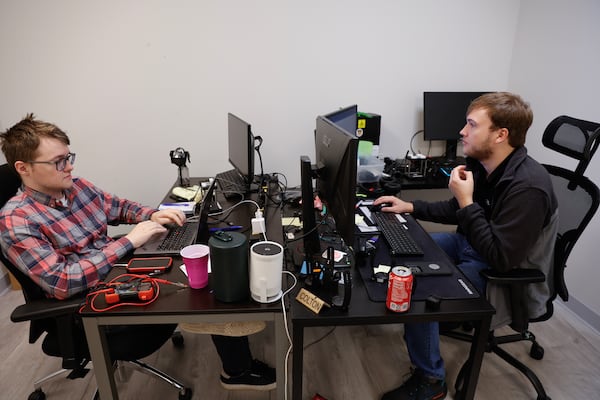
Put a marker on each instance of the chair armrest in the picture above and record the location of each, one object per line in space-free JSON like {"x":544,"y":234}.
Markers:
{"x":520,"y":276}
{"x":46,"y":308}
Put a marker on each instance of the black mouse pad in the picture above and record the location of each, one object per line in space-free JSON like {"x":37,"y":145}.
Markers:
{"x":454,"y":286}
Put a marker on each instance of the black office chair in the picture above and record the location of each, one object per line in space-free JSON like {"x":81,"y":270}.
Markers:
{"x":64,"y":335}
{"x":578,"y":200}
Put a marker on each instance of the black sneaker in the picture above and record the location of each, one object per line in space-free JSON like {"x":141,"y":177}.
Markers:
{"x":419,"y":387}
{"x":259,"y":377}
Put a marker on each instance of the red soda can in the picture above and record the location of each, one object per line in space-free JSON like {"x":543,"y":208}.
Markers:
{"x":399,"y":290}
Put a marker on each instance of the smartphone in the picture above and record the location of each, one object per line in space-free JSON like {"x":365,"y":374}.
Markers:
{"x":149,"y":265}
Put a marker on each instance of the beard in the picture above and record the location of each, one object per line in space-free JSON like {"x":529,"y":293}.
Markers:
{"x":479,"y":153}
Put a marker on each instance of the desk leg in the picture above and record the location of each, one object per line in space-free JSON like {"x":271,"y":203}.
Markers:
{"x":103,"y":369}
{"x":281,"y":346}
{"x":298,"y":361}
{"x":476,"y":357}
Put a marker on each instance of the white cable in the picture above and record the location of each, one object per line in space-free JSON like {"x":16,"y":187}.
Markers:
{"x":287,"y":332}
{"x":234,"y":206}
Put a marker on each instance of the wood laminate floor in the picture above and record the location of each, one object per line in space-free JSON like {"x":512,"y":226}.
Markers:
{"x":359,"y":362}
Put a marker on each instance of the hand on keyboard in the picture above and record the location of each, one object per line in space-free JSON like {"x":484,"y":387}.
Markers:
{"x":143,"y":231}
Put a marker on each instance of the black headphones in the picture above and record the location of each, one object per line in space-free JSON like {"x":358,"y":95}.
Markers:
{"x":391,"y":185}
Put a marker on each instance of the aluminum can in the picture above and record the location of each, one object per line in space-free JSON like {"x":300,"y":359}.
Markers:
{"x":399,"y":290}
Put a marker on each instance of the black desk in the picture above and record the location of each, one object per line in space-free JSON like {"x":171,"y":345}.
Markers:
{"x":364,"y":311}
{"x":429,"y":182}
{"x":187,"y":305}
{"x":434,"y":178}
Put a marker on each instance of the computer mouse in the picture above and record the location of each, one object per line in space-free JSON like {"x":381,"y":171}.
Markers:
{"x":378,"y":207}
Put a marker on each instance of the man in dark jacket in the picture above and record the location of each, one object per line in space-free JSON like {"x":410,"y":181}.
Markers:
{"x":507,"y":217}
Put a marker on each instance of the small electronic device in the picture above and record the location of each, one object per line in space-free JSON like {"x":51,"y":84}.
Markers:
{"x":130,"y":292}
{"x":149,"y":265}
{"x":378,"y":207}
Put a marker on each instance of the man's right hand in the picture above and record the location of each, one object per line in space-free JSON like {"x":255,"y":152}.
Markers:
{"x":396,"y":205}
{"x":143,"y":231}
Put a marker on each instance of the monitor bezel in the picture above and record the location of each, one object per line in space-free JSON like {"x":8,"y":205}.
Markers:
{"x":240,"y":147}
{"x":336,"y":155}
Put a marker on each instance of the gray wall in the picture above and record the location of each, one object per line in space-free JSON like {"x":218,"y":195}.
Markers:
{"x":555,"y":65}
{"x":130,"y":80}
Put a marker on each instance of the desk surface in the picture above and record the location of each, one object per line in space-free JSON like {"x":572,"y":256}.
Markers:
{"x":188,"y":305}
{"x":174,"y":300}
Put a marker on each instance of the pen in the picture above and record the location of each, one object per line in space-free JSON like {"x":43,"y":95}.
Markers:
{"x":226,"y":228}
{"x":187,"y":204}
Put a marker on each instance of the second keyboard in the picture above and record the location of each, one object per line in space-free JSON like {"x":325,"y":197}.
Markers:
{"x":396,"y":235}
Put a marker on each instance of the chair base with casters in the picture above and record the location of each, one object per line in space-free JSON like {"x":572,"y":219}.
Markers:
{"x":493,"y":346}
{"x":184,"y":393}
{"x":64,"y":337}
{"x":38,"y":393}
{"x":518,"y":279}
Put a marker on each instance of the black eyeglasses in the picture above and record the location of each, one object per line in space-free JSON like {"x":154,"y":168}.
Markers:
{"x":60,"y":164}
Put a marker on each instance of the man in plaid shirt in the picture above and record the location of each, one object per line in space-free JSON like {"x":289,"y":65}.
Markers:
{"x":56,"y":231}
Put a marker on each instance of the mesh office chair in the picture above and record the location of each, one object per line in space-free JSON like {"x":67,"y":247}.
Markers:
{"x":578,"y":200}
{"x":63,"y":328}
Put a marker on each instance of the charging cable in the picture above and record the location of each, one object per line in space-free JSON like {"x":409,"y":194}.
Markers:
{"x":287,"y":332}
{"x":258,"y":224}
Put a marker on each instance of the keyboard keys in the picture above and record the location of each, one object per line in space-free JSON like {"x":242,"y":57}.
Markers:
{"x":231,"y":183}
{"x":178,"y":237}
{"x":396,"y":235}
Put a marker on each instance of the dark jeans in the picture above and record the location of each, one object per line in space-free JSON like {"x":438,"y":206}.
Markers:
{"x":423,"y":338}
{"x":234,"y":352}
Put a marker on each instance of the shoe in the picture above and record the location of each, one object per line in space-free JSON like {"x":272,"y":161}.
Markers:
{"x":259,"y":377}
{"x":419,"y":387}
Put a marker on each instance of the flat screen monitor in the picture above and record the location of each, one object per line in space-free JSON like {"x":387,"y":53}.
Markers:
{"x":336,"y":161}
{"x":311,"y":241}
{"x":345,"y":117}
{"x":241,"y":147}
{"x":444,"y":116}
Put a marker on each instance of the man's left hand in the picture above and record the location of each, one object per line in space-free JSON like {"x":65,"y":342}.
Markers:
{"x":168,"y":216}
{"x":461,"y":185}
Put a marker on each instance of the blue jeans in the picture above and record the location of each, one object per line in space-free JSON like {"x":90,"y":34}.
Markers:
{"x":423,"y":338}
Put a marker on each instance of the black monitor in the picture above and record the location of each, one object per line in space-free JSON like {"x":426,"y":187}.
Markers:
{"x":241,"y":148}
{"x":345,"y":117}
{"x":311,"y":241}
{"x":444,"y":116}
{"x":336,"y":162}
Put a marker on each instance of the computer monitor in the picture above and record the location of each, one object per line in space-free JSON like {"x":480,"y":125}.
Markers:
{"x":444,"y":116}
{"x":311,"y":241}
{"x":345,"y":117}
{"x":241,"y":148}
{"x":336,"y":161}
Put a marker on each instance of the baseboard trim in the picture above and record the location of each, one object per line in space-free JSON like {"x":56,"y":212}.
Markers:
{"x":583,"y":312}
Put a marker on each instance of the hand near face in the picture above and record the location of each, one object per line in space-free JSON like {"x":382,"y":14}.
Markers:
{"x":461,"y":185}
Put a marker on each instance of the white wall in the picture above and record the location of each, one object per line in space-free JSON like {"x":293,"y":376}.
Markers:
{"x":130,"y":80}
{"x":555,"y":65}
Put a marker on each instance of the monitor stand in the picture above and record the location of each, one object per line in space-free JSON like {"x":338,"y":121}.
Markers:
{"x":450,"y":156}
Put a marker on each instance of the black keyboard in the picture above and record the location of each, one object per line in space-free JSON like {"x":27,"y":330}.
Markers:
{"x":396,"y":235}
{"x":178,"y":237}
{"x":231,"y":183}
